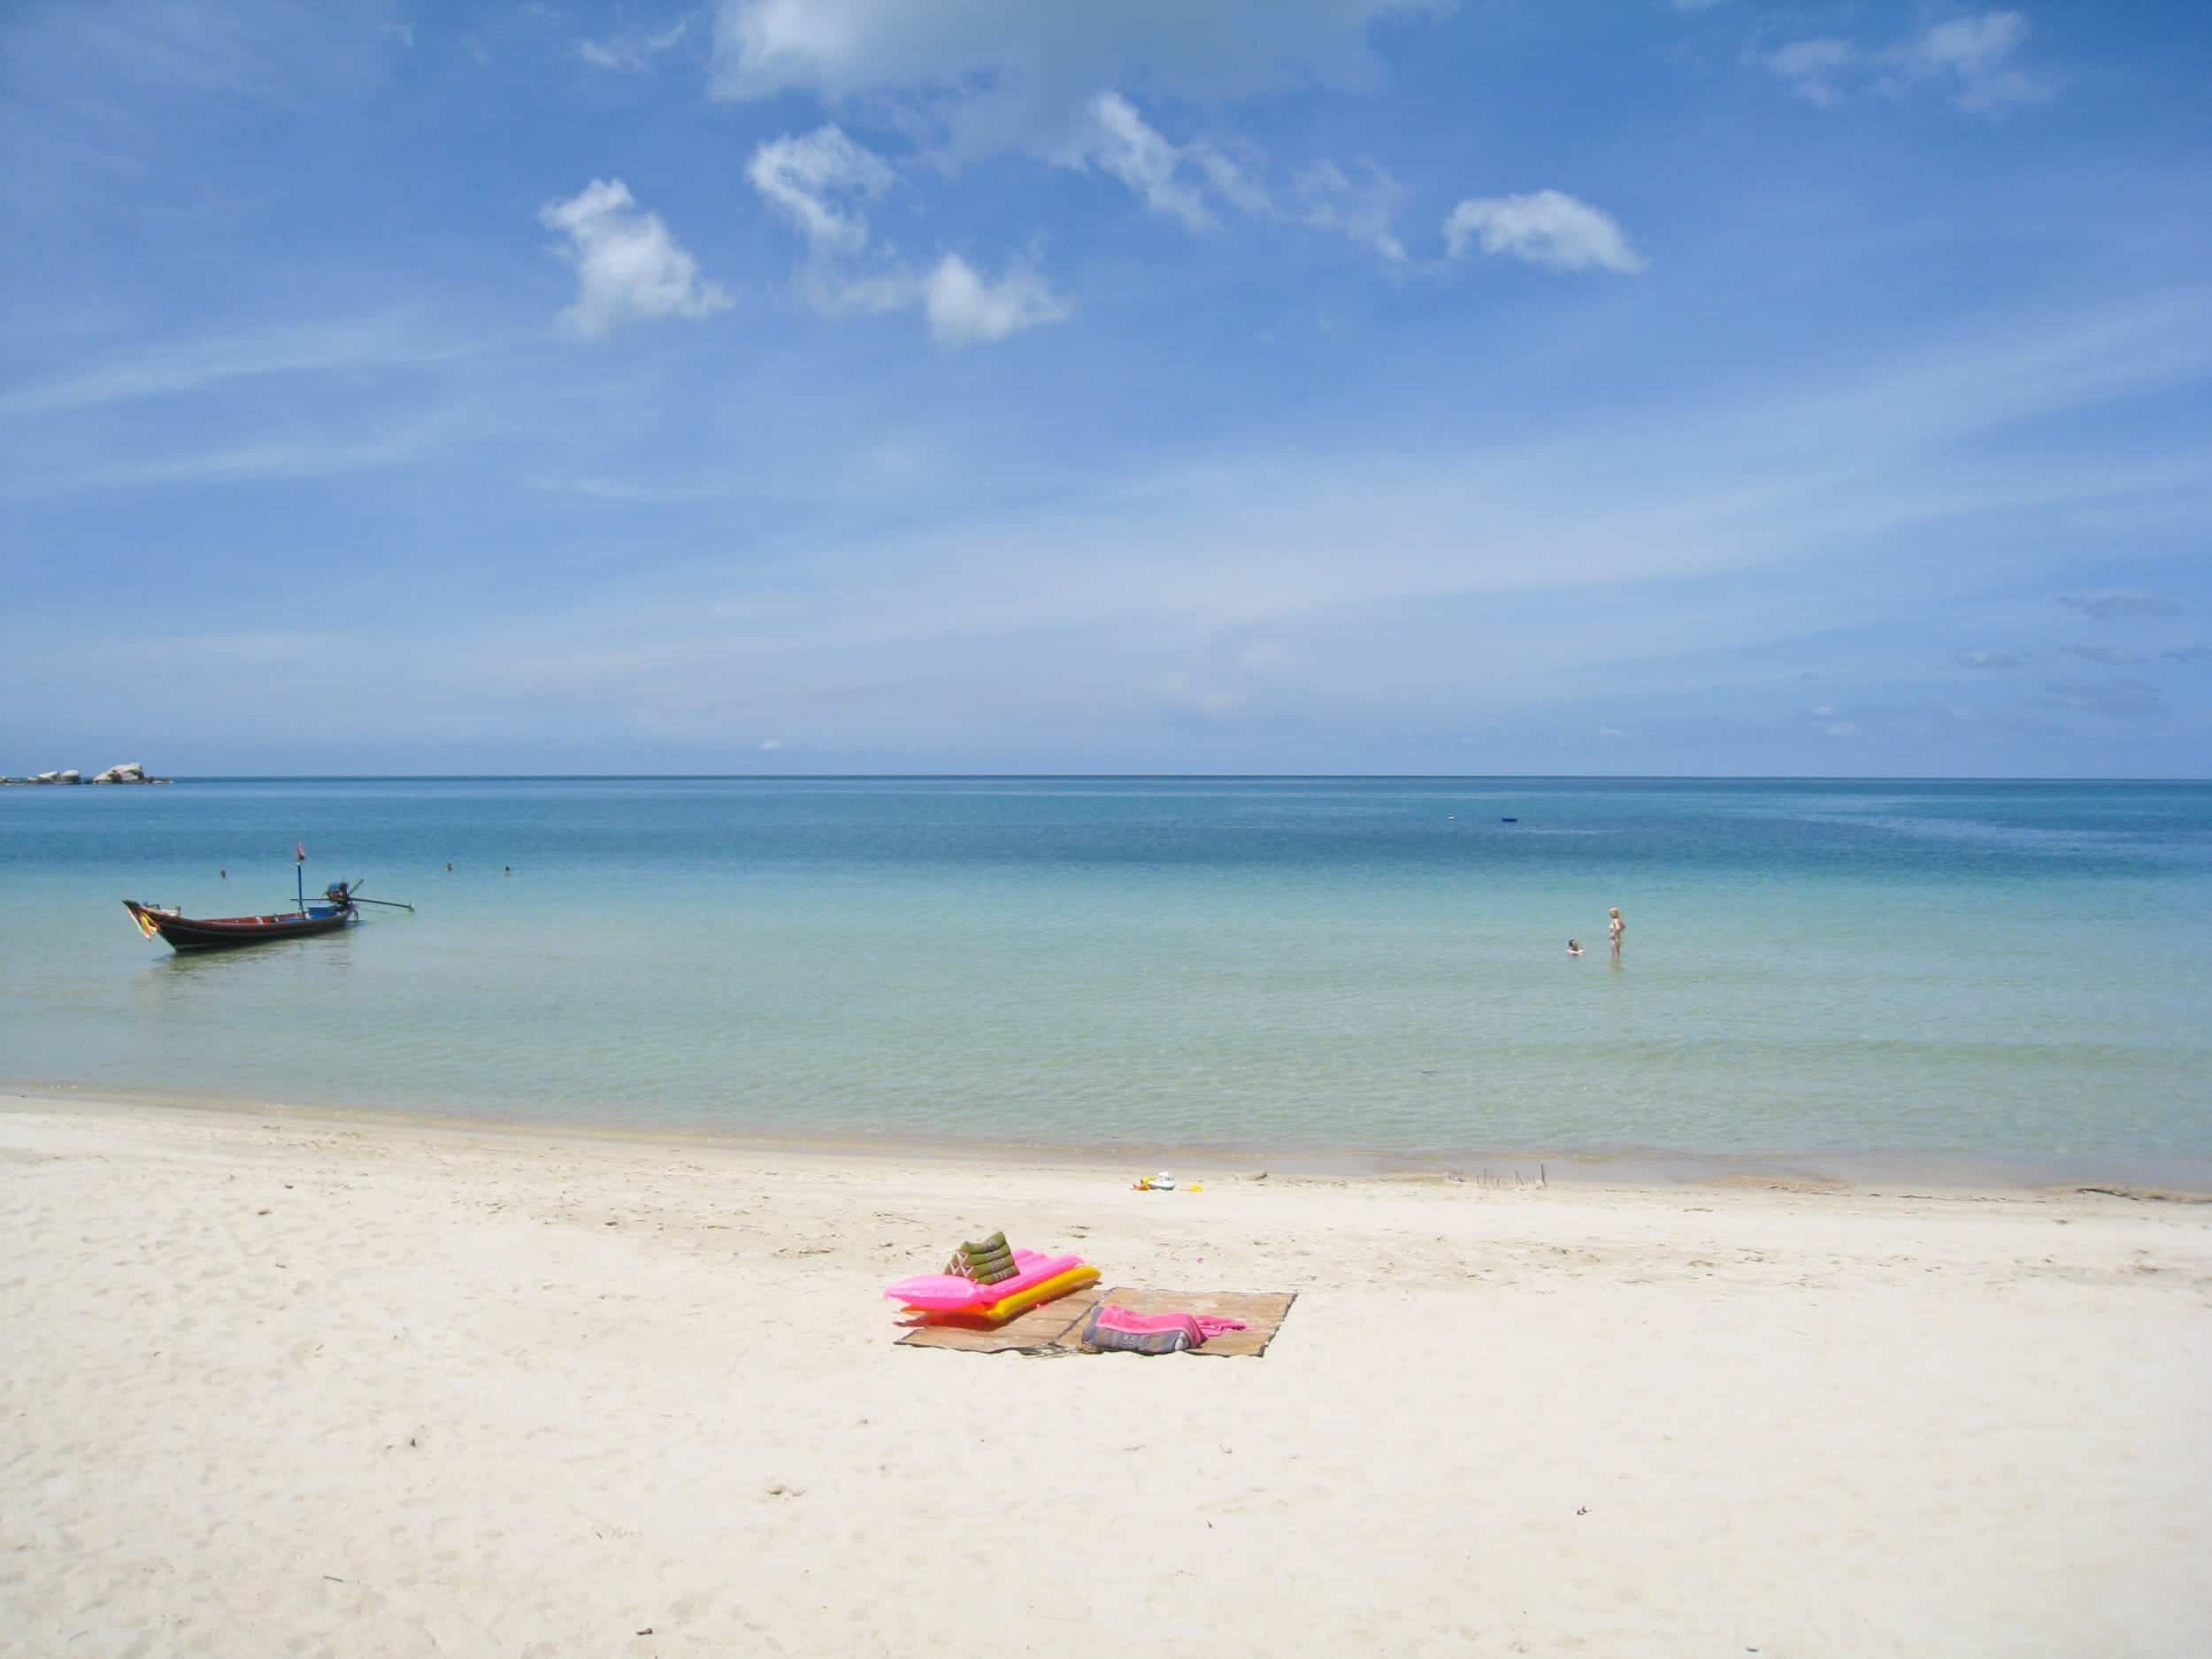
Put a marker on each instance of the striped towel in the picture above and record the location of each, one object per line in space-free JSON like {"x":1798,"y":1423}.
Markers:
{"x":1112,"y":1326}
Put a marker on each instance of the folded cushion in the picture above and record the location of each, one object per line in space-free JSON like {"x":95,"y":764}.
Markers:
{"x":987,"y":1261}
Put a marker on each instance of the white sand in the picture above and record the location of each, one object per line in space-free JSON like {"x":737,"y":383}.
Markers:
{"x":276,"y":1385}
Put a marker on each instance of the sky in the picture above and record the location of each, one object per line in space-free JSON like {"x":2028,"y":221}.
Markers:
{"x":1627,"y":387}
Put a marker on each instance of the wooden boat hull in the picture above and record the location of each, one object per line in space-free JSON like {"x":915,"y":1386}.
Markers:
{"x":227,"y":933}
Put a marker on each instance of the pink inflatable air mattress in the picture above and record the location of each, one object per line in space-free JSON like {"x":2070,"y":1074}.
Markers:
{"x":948,"y":1293}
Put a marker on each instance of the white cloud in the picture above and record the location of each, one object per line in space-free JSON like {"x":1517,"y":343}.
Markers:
{"x":1990,"y":659}
{"x":1812,"y":68}
{"x":1545,"y":228}
{"x":1119,"y":141}
{"x":1611,"y":731}
{"x":985,"y":76}
{"x":1192,"y":182}
{"x":822,"y":182}
{"x":1231,"y":182}
{"x":1842,"y":729}
{"x":963,"y":308}
{"x":769,"y":745}
{"x":628,"y":265}
{"x":632,"y":50}
{"x":1974,"y":59}
{"x":1172,"y":178}
{"x":1977,"y":57}
{"x":1332,"y":202}
{"x":1020,"y":74}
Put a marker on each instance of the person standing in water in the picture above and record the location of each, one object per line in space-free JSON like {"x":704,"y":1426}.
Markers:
{"x":1617,"y":927}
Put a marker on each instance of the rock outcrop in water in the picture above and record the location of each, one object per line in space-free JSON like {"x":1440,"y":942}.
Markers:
{"x":129,"y":772}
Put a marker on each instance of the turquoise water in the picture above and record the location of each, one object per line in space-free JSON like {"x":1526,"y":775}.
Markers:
{"x":2013,"y":969}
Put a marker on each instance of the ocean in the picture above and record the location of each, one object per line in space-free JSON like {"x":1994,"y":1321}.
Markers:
{"x":1364,"y":969}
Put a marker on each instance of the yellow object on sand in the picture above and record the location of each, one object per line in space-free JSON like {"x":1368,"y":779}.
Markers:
{"x":1022,"y":1300}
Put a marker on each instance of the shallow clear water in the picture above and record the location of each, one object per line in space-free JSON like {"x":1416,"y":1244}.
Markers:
{"x":2011,"y":968}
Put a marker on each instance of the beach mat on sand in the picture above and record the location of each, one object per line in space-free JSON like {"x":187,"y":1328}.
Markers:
{"x":1057,"y":1326}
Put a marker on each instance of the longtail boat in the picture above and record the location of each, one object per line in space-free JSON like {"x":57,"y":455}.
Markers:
{"x":190,"y":932}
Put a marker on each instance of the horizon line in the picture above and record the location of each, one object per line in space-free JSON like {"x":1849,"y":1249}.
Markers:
{"x":1147,"y":776}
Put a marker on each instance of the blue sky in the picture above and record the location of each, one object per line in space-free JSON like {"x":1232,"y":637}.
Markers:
{"x":1278,"y":385}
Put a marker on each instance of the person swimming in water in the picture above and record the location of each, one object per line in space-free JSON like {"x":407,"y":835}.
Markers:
{"x":1573,"y":950}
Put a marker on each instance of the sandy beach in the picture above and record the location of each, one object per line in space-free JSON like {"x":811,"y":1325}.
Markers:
{"x":281,"y":1384}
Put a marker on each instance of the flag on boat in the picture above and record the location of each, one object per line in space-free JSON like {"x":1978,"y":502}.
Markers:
{"x":299,"y":852}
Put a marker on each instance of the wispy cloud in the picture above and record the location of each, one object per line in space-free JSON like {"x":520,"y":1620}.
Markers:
{"x":1182,"y":182}
{"x":824,"y":183}
{"x":635,"y":51}
{"x":1975,"y":61}
{"x":629,"y":266}
{"x":627,"y":492}
{"x":1990,"y":659}
{"x":185,"y":367}
{"x":1046,"y":81}
{"x":261,"y":49}
{"x":2117,"y":699}
{"x":1120,"y":141}
{"x":1181,"y":691}
{"x":1223,"y":544}
{"x":304,"y":456}
{"x":965,"y":308}
{"x":1544,"y":228}
{"x":1816,"y":69}
{"x":2120,"y":605}
{"x":1197,"y":183}
{"x":1000,"y":76}
{"x":2111,"y":655}
{"x":1364,"y":211}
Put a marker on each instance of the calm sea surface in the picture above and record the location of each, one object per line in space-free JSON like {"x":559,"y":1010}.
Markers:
{"x":2009,"y":970}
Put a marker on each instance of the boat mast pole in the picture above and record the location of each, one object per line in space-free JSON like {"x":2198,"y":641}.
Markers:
{"x":299,"y":881}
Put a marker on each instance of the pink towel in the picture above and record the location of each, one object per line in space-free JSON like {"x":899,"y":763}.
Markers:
{"x":1192,"y":1328}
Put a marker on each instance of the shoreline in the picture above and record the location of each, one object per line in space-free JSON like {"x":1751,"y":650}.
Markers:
{"x":2176,"y":1179}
